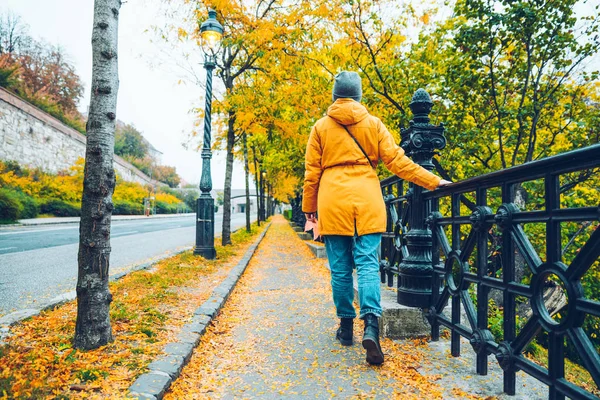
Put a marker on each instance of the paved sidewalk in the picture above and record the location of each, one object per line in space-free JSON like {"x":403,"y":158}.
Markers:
{"x":275,"y":339}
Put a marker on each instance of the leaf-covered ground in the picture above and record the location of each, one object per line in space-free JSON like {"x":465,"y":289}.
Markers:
{"x":275,"y":339}
{"x":148,"y":310}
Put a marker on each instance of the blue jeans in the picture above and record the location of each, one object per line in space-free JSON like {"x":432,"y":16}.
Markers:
{"x":345,"y":252}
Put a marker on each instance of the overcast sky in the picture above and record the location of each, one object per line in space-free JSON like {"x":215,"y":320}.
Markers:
{"x":149,"y":98}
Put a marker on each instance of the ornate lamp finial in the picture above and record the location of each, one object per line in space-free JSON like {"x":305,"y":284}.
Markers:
{"x":420,"y":106}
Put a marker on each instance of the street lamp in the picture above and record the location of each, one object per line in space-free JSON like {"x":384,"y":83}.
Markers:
{"x":211,"y":33}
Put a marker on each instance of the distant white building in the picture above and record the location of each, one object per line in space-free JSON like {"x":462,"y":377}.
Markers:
{"x":238,"y":201}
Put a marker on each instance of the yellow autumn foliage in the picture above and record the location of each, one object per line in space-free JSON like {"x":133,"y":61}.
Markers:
{"x":129,"y":191}
{"x":67,"y":185}
{"x":167,"y":198}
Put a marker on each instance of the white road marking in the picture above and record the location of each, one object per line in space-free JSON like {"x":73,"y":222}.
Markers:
{"x":38,"y":230}
{"x":124,"y":233}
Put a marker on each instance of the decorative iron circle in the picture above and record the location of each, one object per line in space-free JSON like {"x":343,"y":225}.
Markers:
{"x":506,"y":357}
{"x":504,"y":216}
{"x":478,"y":218}
{"x":438,"y":142}
{"x":574,"y":318}
{"x":417,"y":140}
{"x":455,"y":286}
{"x":479,"y":339}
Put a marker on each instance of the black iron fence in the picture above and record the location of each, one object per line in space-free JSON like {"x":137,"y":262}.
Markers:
{"x":478,"y":244}
{"x":297,"y":214}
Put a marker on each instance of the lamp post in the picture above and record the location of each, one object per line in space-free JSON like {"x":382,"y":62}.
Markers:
{"x":211,"y":33}
{"x":420,"y":140}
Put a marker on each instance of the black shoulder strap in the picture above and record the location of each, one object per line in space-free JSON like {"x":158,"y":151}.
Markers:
{"x":359,"y":146}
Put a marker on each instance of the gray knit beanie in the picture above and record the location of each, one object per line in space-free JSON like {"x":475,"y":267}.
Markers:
{"x":347,"y":86}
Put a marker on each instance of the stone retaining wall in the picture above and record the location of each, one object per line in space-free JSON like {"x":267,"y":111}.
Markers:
{"x":34,"y":138}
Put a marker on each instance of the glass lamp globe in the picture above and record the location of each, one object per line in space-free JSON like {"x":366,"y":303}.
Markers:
{"x":211,"y":33}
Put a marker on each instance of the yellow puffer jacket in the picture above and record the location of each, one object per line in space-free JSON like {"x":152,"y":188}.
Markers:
{"x":340,"y":184}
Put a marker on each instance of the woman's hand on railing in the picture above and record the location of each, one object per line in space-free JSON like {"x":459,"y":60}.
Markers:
{"x":444,"y":182}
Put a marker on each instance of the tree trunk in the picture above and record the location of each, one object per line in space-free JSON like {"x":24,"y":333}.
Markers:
{"x":93,"y":328}
{"x":554,"y":300}
{"x":226,"y":237}
{"x":269,"y":202}
{"x":247,"y":177}
{"x":262,"y":197}
{"x":256,"y":175}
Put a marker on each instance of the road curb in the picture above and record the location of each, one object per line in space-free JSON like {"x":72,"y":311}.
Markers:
{"x":318,"y":251}
{"x":165,"y":370}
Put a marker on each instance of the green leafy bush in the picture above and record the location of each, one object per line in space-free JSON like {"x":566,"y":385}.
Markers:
{"x":8,"y":76}
{"x":60,"y":208}
{"x":57,"y":112}
{"x":11,"y":165}
{"x":127,"y":208}
{"x":190,"y":197}
{"x":165,"y":208}
{"x":26,"y":206}
{"x":31,"y":208}
{"x":10,"y":206}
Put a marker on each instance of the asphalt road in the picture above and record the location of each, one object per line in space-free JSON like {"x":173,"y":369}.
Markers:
{"x":39,"y":263}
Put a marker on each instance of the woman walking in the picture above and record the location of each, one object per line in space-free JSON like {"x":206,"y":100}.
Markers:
{"x":341,"y":184}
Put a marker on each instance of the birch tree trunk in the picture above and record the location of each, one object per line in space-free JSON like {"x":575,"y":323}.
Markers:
{"x":247,"y":177}
{"x":93,"y":327}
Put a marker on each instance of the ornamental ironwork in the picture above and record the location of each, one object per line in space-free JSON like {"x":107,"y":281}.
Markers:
{"x":470,"y":232}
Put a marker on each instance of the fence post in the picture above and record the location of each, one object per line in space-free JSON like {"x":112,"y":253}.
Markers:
{"x":420,"y":142}
{"x":297,"y":214}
